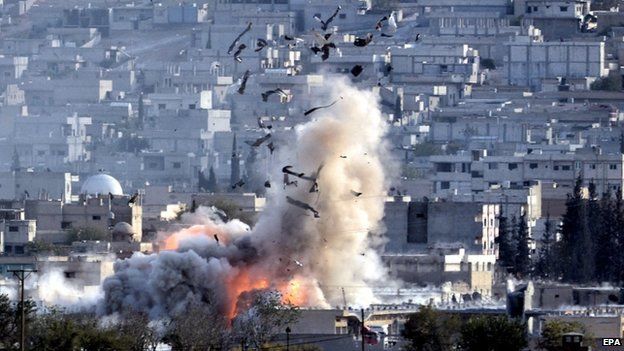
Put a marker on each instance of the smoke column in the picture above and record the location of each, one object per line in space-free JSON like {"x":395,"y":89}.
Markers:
{"x":308,"y":259}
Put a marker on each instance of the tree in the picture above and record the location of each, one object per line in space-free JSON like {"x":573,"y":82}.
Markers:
{"x":546,"y":265}
{"x":398,"y":110}
{"x":506,"y":249}
{"x":553,"y":331}
{"x":15,"y":162}
{"x":613,"y":82}
{"x":576,"y":251}
{"x":141,"y":111}
{"x":522,"y":264}
{"x":430,"y":330}
{"x":212,"y":181}
{"x":618,"y":224}
{"x":492,"y":333}
{"x":254,"y":181}
{"x":200,"y":327}
{"x":235,"y":164}
{"x":10,"y":321}
{"x":605,"y":233}
{"x":261,"y":316}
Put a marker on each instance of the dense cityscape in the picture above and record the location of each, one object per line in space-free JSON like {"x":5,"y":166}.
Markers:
{"x":331,"y":175}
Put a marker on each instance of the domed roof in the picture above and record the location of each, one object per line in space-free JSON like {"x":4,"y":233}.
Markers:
{"x":101,"y":184}
{"x":123,"y":228}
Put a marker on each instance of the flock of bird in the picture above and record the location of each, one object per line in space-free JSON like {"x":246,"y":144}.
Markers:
{"x":322,"y":44}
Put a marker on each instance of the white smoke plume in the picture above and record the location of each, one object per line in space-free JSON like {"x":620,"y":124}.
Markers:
{"x":310,"y":260}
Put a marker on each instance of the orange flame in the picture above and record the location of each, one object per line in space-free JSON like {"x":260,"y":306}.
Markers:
{"x":172,"y":242}
{"x":244,"y":280}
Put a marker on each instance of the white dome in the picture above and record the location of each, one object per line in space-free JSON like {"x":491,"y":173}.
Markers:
{"x":101,"y":184}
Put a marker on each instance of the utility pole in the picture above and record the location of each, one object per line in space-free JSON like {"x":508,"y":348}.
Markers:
{"x":363,"y":329}
{"x":21,"y":275}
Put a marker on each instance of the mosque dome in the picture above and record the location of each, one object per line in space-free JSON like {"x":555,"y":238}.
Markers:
{"x":101,"y":184}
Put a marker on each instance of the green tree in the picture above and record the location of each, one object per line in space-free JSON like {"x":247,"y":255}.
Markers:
{"x":212,"y":185}
{"x":522,"y":264}
{"x":261,"y":316}
{"x":613,"y":82}
{"x":553,"y":331}
{"x":603,"y":224}
{"x":576,"y":249}
{"x":546,"y":265}
{"x":430,"y":330}
{"x":10,"y":317}
{"x":492,"y":333}
{"x":506,"y":248}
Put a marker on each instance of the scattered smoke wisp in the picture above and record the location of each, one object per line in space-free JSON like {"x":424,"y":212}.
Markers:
{"x":308,"y":259}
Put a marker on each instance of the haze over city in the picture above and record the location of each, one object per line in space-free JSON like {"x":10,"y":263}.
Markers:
{"x":331,"y":175}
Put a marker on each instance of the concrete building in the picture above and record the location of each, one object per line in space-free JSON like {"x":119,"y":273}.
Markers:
{"x":467,"y":273}
{"x":528,"y":63}
{"x":555,"y":18}
{"x":417,"y":226}
{"x":36,"y":185}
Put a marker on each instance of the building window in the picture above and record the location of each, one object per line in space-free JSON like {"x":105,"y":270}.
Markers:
{"x":556,"y":168}
{"x":192,"y":106}
{"x":96,"y":218}
{"x":532,"y":165}
{"x":19,"y":250}
{"x":563,"y":8}
{"x":492,"y":165}
{"x":512,"y":166}
{"x":342,"y":16}
{"x":70,"y":274}
{"x":592,"y":166}
{"x":445,"y":185}
{"x":65,"y":224}
{"x":613,"y":166}
{"x":177,"y":165}
{"x":565,"y":168}
{"x":13,"y":228}
{"x":161,"y":106}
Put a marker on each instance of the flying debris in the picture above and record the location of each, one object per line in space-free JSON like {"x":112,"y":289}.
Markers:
{"x":356,"y":193}
{"x":288,"y":182}
{"x":325,"y":24}
{"x":343,"y":156}
{"x":298,"y":263}
{"x":235,"y":42}
{"x":260,"y":44}
{"x":286,"y":169}
{"x":280,"y":92}
{"x":391,"y":26}
{"x":323,"y":44}
{"x":216,"y":238}
{"x":133,"y":198}
{"x":379,"y":23}
{"x":111,"y":196}
{"x":314,"y":188}
{"x":271,"y":147}
{"x":302,"y":205}
{"x":262,"y":125}
{"x":320,"y":107}
{"x":417,"y":37}
{"x":237,"y":57}
{"x":267,"y":184}
{"x":222,"y":215}
{"x":258,"y":141}
{"x":239,"y":184}
{"x":361,"y":42}
{"x":243,"y":84}
{"x":356,"y":70}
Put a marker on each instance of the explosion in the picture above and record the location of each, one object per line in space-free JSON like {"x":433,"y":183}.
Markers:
{"x":307,"y":258}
